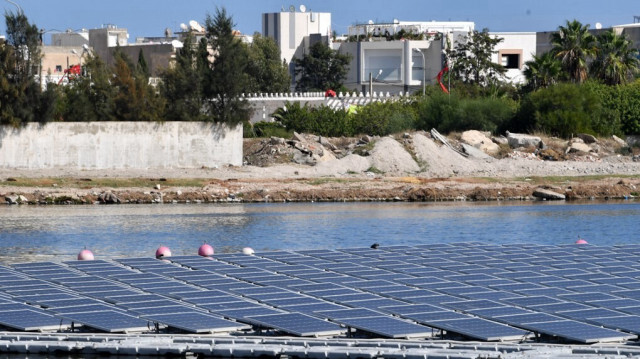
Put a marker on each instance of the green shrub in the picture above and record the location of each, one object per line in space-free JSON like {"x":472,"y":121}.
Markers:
{"x":384,"y":118}
{"x":561,"y":110}
{"x":451,"y":113}
{"x":266,"y":129}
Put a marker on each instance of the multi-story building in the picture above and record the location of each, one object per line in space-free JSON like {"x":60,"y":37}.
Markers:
{"x":295,"y":30}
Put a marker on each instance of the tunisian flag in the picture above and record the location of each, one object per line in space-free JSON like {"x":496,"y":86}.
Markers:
{"x":446,"y":69}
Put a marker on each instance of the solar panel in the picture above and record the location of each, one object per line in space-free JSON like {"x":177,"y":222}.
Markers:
{"x":242,"y":313}
{"x":109,"y":321}
{"x":387,"y":327}
{"x":480,"y":329}
{"x":297,"y":324}
{"x":198,"y":322}
{"x":31,"y":320}
{"x":579,"y":332}
{"x":349,"y":313}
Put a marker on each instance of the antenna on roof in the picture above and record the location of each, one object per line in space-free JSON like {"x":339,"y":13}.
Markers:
{"x":292,"y":8}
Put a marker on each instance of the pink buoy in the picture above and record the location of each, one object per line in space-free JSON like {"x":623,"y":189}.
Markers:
{"x":85,"y":255}
{"x":248,"y":251}
{"x":205,"y":250}
{"x":163,"y":252}
{"x":581,"y":241}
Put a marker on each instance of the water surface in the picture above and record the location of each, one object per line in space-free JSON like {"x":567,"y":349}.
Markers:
{"x":35,"y":233}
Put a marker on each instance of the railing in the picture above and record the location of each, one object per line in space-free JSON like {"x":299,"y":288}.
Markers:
{"x":317,"y":95}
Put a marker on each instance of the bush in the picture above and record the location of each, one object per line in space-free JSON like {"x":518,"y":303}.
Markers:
{"x":265,"y":129}
{"x":384,"y":118}
{"x":451,"y":113}
{"x":562,"y":110}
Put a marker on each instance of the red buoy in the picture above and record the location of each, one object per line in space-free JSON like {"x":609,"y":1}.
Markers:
{"x":163,"y":252}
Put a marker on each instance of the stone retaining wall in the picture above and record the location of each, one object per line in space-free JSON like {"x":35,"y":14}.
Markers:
{"x":111,"y":145}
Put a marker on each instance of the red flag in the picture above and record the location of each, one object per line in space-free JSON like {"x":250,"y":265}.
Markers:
{"x":446,"y":69}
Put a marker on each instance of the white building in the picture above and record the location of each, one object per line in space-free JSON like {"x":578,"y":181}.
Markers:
{"x":513,"y":52}
{"x":399,"y":56}
{"x":296,"y":30}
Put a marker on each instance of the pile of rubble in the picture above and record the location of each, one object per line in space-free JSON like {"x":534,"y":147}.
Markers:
{"x":312,"y":149}
{"x":303,"y":149}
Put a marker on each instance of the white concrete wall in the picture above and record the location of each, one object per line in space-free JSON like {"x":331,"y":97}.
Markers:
{"x":105,"y":145}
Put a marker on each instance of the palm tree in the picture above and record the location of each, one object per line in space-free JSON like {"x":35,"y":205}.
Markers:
{"x":542,"y":71}
{"x":616,"y":61}
{"x":573,"y":45}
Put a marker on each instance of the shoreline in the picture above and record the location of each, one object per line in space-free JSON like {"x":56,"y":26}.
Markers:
{"x":123,"y":190}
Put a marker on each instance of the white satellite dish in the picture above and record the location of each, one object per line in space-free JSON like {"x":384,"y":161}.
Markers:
{"x":195,"y":26}
{"x":184,"y":27}
{"x":598,"y":26}
{"x":370,"y":22}
{"x":303,"y":8}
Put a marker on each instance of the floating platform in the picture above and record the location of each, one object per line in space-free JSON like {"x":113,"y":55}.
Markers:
{"x":471,"y":292}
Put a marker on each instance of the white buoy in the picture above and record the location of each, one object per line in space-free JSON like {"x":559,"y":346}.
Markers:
{"x":85,"y":255}
{"x":248,"y":251}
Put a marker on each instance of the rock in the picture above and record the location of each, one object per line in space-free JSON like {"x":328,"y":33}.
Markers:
{"x":547,"y":194}
{"x":22,"y":199}
{"x":475,"y":152}
{"x":618,"y":140}
{"x":108,"y":198}
{"x":324,"y":142}
{"x":157,"y":186}
{"x":277,"y":140}
{"x":406,"y":135}
{"x":298,"y":137}
{"x":500,"y":140}
{"x":587,"y":138}
{"x":179,"y":192}
{"x":578,"y":147}
{"x":516,"y":140}
{"x":11,"y":199}
{"x":480,"y":141}
{"x":636,"y":158}
{"x":366,"y":139}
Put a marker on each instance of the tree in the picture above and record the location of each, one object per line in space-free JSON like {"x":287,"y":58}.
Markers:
{"x":471,"y":59}
{"x":89,"y":97}
{"x":225,"y":77}
{"x":321,"y":69}
{"x":141,"y":67}
{"x":573,"y":45}
{"x":266,"y":70}
{"x":616,"y":61}
{"x":21,"y":97}
{"x":182,"y":83}
{"x":543,"y":71}
{"x":135,"y":99}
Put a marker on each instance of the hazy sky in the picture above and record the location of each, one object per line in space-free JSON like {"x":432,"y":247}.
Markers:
{"x":151,"y":17}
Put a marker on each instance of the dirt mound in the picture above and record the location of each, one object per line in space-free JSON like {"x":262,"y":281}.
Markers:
{"x":390,"y":157}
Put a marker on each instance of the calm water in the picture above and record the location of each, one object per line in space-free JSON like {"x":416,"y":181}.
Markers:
{"x":57,"y":233}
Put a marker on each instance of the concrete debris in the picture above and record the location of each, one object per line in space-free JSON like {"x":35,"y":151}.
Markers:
{"x":517,"y":140}
{"x":547,"y":194}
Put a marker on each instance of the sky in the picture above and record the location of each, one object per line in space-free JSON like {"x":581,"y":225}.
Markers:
{"x":151,"y":17}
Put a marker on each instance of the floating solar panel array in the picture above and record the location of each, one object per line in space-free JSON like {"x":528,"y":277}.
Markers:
{"x":577,"y":293}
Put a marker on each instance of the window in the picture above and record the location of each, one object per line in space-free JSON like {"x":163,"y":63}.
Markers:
{"x":58,"y":68}
{"x":511,"y":61}
{"x":511,"y":58}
